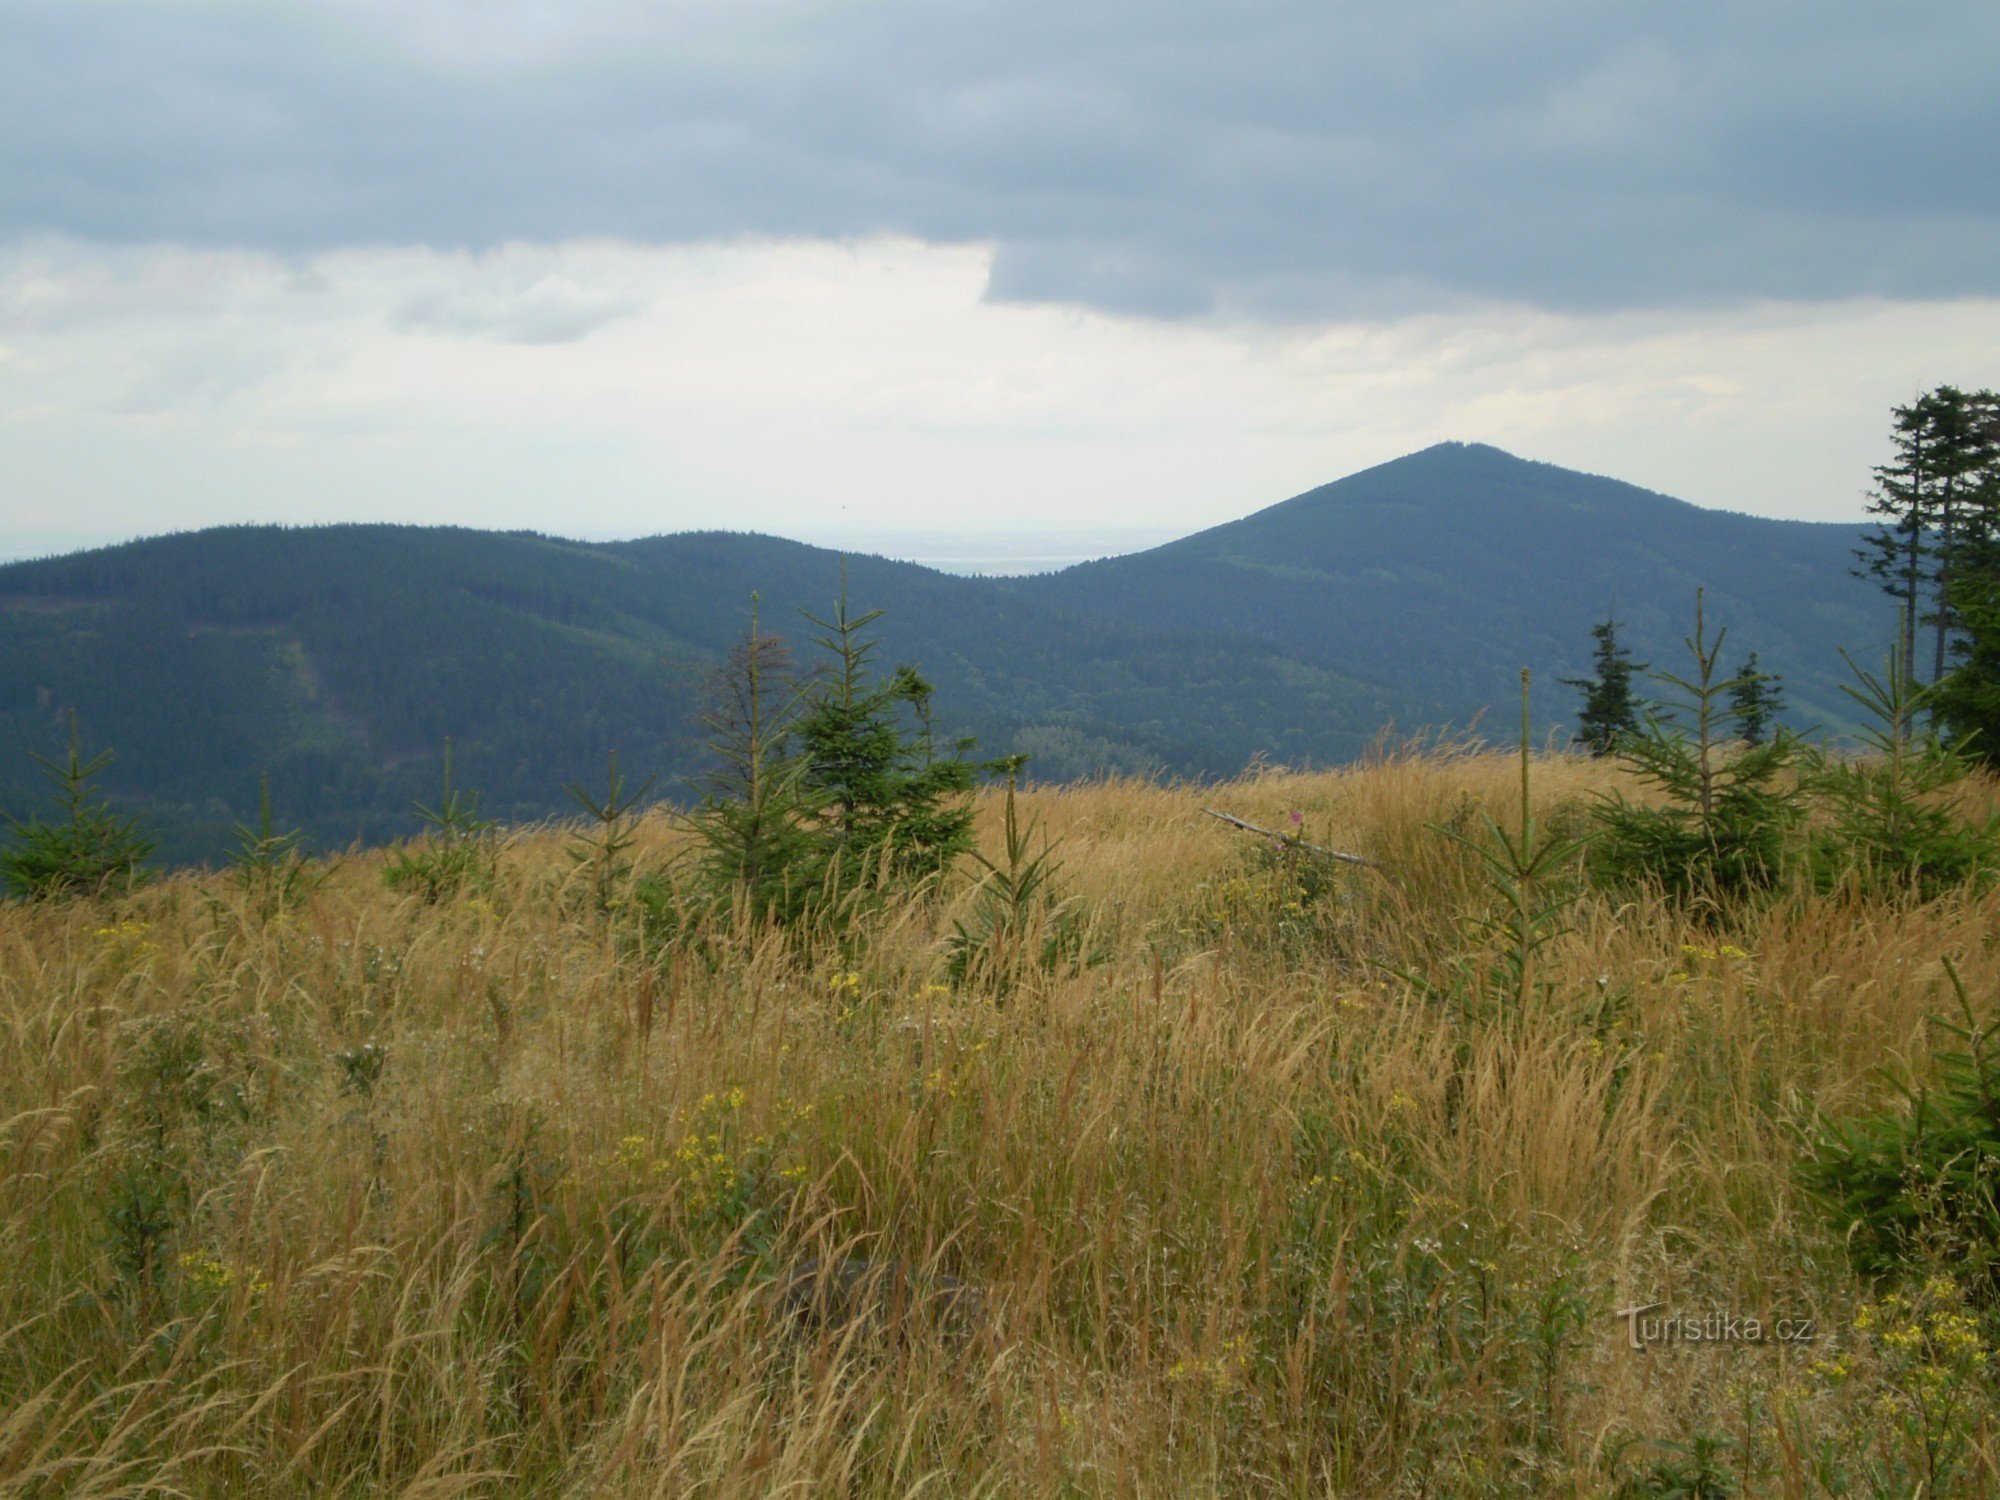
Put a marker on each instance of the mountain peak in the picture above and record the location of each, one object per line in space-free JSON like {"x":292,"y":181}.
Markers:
{"x":1453,"y":447}
{"x":1446,"y":571}
{"x":1471,"y":480}
{"x":1464,"y":458}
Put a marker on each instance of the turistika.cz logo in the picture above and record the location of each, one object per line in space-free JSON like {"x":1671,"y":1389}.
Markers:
{"x":1649,"y":1324}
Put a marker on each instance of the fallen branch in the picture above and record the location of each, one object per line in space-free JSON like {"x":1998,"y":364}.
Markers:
{"x":1290,"y":841}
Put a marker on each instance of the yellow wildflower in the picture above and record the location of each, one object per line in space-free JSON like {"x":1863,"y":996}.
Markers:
{"x":633,"y":1153}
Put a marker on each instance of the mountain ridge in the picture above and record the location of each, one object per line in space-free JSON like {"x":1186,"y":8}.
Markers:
{"x":339,"y":658}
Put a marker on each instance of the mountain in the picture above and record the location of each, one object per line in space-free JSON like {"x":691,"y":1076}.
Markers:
{"x":1446,"y":572}
{"x":337,"y":660}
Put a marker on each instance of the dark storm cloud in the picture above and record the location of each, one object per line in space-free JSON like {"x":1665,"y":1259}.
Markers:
{"x":1289,"y":157}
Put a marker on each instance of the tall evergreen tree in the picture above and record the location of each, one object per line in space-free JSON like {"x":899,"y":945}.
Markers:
{"x":1929,"y":499}
{"x":1964,"y":455}
{"x":1967,"y":698}
{"x":1610,"y":708}
{"x":1895,"y":553}
{"x":1756,"y":700}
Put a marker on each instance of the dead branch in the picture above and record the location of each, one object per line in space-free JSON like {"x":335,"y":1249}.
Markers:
{"x":1296,"y":843}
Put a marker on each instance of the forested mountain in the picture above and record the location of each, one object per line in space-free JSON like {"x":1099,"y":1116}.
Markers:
{"x":1447,"y":571}
{"x":338,"y":659}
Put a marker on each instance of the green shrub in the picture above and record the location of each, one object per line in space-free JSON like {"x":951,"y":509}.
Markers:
{"x":1285,"y":897}
{"x":1695,"y":1470}
{"x":1916,"y":1184}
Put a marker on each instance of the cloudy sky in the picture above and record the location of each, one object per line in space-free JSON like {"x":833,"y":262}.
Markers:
{"x":607,"y":267}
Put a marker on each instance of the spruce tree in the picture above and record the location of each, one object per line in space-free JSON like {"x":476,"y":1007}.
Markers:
{"x":1935,"y":513}
{"x":599,"y":849}
{"x":829,"y":784}
{"x":753,"y":816}
{"x":1963,"y":456}
{"x":1756,"y":700}
{"x":1724,"y":812}
{"x":85,"y":851}
{"x":456,"y":849}
{"x":887,"y":806}
{"x":1898,"y":816}
{"x":1967,"y":698}
{"x":1895,"y":553}
{"x":1610,"y":709}
{"x":269,"y":866}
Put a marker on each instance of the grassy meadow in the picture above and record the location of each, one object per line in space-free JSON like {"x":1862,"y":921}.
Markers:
{"x":1288,"y":1185}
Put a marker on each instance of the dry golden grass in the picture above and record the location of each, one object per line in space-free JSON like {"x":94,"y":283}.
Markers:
{"x":1259,"y":1207}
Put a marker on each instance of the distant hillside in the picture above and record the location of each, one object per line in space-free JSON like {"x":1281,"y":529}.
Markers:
{"x":338,"y":659}
{"x":1446,"y":572}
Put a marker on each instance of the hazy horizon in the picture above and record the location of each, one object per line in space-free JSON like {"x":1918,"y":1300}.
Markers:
{"x":992,"y":549}
{"x":968,"y":553}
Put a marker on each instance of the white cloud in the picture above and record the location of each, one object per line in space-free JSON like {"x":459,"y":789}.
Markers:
{"x":521,"y":294}
{"x":600,"y":387}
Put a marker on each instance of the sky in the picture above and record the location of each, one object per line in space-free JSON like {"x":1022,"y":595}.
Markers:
{"x":860,"y":267}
